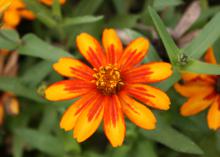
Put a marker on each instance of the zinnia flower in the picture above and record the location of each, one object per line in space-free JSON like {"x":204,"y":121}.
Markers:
{"x":203,"y":91}
{"x":15,"y":12}
{"x":116,"y":86}
{"x":50,"y":2}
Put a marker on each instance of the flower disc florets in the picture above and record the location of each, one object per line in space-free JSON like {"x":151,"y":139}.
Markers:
{"x":108,"y":79}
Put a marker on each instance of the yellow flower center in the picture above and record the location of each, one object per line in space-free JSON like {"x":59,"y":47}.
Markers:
{"x":108,"y":79}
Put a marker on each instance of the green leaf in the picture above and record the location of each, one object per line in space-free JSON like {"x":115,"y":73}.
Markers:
{"x":42,"y":13}
{"x":17,"y":146}
{"x":56,"y":9}
{"x":9,"y":39}
{"x":170,"y":137}
{"x":120,"y":6}
{"x":161,"y":4}
{"x":144,"y":147}
{"x":35,"y":47}
{"x":199,"y":67}
{"x":14,"y":85}
{"x":80,"y":20}
{"x":34,"y":76}
{"x":168,"y":42}
{"x":123,"y":21}
{"x":209,"y":34}
{"x":41,"y":141}
{"x":87,"y":7}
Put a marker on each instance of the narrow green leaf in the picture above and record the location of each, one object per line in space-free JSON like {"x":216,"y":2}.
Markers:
{"x":209,"y":34}
{"x":42,"y":13}
{"x":41,"y":141}
{"x":35,"y":47}
{"x":144,"y":147}
{"x":56,"y":9}
{"x":170,"y":137}
{"x":120,"y":6}
{"x":87,"y":7}
{"x":34,"y":76}
{"x":161,"y":4}
{"x":199,"y":67}
{"x":17,"y":146}
{"x":123,"y":21}
{"x":15,"y":86}
{"x":9,"y":39}
{"x":80,"y":20}
{"x":168,"y":42}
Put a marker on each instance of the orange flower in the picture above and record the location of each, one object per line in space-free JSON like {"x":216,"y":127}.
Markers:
{"x":50,"y":2}
{"x":203,"y":91}
{"x":17,"y":10}
{"x":115,"y":87}
{"x":8,"y":103}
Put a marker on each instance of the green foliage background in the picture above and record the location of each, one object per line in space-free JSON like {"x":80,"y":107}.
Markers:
{"x":35,"y":131}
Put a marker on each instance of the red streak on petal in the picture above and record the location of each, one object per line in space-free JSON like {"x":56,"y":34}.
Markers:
{"x":211,"y":96}
{"x":96,"y":109}
{"x":88,"y":102}
{"x":81,"y":73}
{"x":78,"y":85}
{"x":96,"y":61}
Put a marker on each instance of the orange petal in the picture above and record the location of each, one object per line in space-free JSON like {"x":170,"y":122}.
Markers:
{"x":27,"y":14}
{"x":186,"y":76}
{"x":1,"y":113}
{"x":113,"y":45}
{"x":214,"y":115}
{"x":89,"y":120}
{"x":210,"y":57}
{"x":91,"y":49}
{"x":68,"y":89}
{"x":197,"y":103}
{"x":11,"y":18}
{"x":50,"y":2}
{"x":138,"y":113}
{"x":191,"y":88}
{"x":114,"y":125}
{"x":70,"y":67}
{"x":11,"y":103}
{"x":134,"y":52}
{"x":149,"y":95}
{"x":70,"y":116}
{"x":151,"y":72}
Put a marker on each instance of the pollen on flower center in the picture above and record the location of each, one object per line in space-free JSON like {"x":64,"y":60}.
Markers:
{"x":108,"y":79}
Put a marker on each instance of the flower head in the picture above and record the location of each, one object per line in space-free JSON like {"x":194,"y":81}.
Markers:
{"x":14,"y":13}
{"x":116,"y":86}
{"x":203,"y":91}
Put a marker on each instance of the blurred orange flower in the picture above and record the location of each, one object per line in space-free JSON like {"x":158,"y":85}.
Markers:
{"x":8,"y":103}
{"x":115,"y":86}
{"x":14,"y":13}
{"x":203,"y":91}
{"x":50,"y":2}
